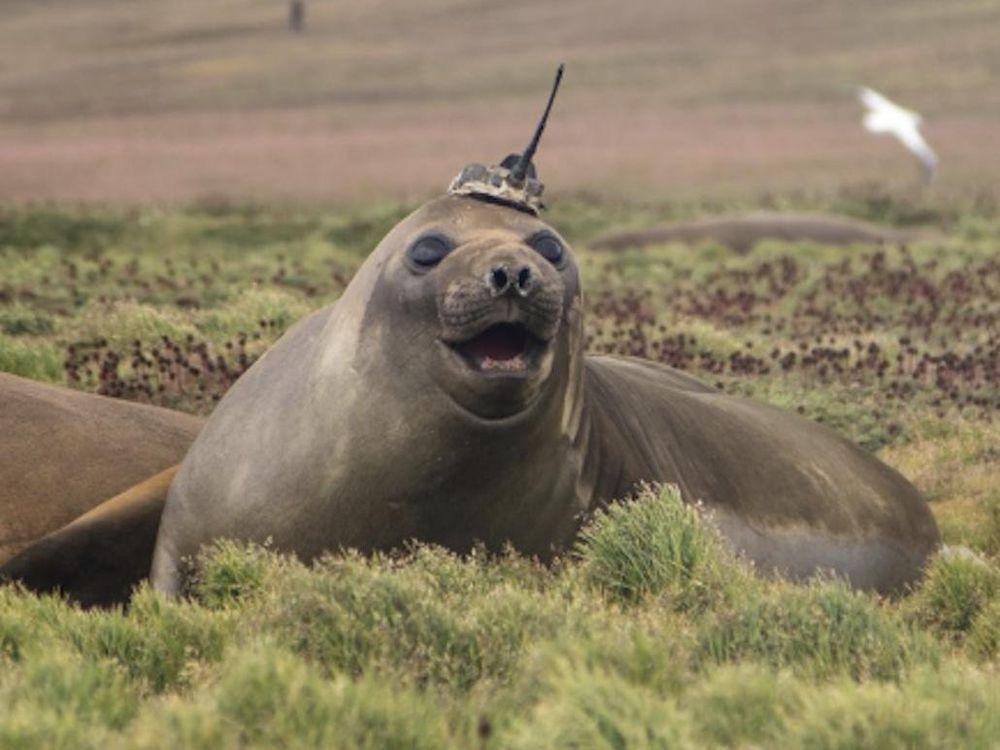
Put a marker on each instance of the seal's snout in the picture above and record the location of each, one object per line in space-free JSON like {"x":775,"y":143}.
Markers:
{"x":484,"y":289}
{"x":500,"y":307}
{"x":504,"y":280}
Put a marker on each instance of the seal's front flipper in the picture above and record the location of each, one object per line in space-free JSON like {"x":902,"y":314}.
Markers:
{"x":97,"y":559}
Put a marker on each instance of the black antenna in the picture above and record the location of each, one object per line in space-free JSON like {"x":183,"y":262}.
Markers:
{"x":521,"y":168}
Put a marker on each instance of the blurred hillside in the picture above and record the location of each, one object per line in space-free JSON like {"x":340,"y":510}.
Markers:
{"x":113,"y":100}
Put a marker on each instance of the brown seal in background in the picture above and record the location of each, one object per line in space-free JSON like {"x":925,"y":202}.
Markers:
{"x":741,"y":233}
{"x":62,"y":453}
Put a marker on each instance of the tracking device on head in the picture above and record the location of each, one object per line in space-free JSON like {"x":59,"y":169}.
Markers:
{"x":514,"y":181}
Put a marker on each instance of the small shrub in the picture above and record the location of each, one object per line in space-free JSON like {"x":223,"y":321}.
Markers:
{"x":29,"y":359}
{"x":588,"y":707}
{"x":955,"y":707}
{"x":356,"y":615}
{"x":228,"y":572}
{"x":954,"y":591}
{"x":270,"y":698}
{"x":741,"y":704}
{"x":823,"y":629}
{"x":657,"y":545}
{"x":62,"y":700}
{"x":28,"y":621}
{"x":33,"y":324}
{"x":647,"y":648}
{"x":984,"y":635}
{"x":158,"y":641}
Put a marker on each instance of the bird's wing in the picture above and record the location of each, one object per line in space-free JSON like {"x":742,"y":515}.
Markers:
{"x":879,"y":105}
{"x":874,"y":100}
{"x":915,"y":142}
{"x":879,"y":122}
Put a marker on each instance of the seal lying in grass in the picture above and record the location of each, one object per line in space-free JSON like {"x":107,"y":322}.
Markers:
{"x":62,"y":453}
{"x":741,"y":233}
{"x":446,"y":398}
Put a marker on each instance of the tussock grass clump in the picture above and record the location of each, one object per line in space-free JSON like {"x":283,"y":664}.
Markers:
{"x":431,"y":616}
{"x":24,"y":323}
{"x":647,"y":647}
{"x":29,"y":624}
{"x":157,"y":641}
{"x":29,"y":360}
{"x":62,"y":701}
{"x":740,"y":704}
{"x":268,"y":697}
{"x":984,"y":635}
{"x":658,"y":545}
{"x":750,"y":705}
{"x":952,"y":707}
{"x":955,"y":590}
{"x":228,"y":572}
{"x":820,"y":629}
{"x":587,"y":706}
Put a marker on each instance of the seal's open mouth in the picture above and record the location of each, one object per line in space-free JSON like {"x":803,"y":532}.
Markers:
{"x":502,"y":348}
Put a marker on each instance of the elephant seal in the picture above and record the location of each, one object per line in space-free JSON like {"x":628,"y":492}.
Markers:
{"x":741,"y":233}
{"x":98,"y":558}
{"x":62,"y":452}
{"x":446,"y":398}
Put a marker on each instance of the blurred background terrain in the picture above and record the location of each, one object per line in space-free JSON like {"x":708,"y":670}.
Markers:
{"x":118,"y":101}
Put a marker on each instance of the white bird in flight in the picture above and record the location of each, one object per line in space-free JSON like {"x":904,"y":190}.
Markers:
{"x":884,"y":116}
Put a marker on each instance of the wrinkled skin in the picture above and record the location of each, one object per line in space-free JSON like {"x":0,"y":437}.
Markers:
{"x":397,"y":414}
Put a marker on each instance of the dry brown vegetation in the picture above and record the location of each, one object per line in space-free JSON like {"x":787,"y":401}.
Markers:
{"x":106,"y":100}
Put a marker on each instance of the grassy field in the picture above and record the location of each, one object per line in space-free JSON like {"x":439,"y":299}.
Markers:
{"x":649,"y":635}
{"x":109,"y":100}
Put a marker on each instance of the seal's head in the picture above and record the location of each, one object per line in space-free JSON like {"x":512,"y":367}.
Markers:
{"x":496,"y":288}
{"x":494,"y":292}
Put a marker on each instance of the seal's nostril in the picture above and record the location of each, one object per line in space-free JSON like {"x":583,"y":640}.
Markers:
{"x":498,"y":278}
{"x":524,"y":279}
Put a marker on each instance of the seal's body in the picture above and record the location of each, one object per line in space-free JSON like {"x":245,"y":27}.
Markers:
{"x":446,"y":398}
{"x":62,"y":452}
{"x":791,"y":495}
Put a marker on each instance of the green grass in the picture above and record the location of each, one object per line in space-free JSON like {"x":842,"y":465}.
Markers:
{"x":648,"y":634}
{"x":426,"y":649}
{"x":635,"y":550}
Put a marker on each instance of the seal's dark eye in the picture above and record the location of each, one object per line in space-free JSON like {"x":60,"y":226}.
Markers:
{"x":549,"y":248}
{"x":427,"y":252}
